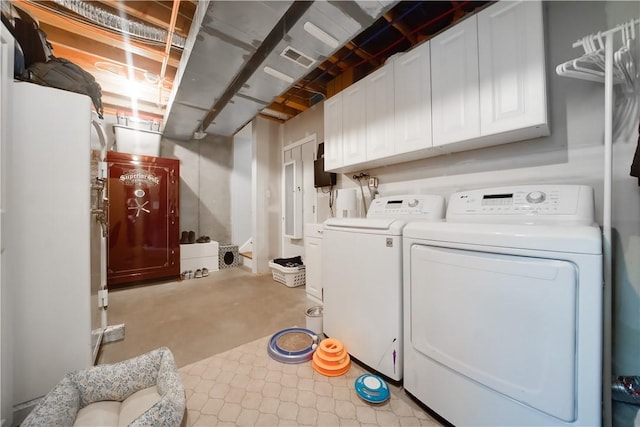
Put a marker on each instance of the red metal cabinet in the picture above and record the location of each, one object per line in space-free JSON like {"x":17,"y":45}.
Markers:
{"x":144,"y":221}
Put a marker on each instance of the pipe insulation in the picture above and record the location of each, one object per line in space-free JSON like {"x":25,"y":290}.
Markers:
{"x":119,"y":23}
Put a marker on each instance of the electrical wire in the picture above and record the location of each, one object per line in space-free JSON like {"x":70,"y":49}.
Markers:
{"x":331,"y":199}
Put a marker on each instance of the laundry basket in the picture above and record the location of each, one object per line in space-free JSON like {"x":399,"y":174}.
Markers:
{"x":288,"y":276}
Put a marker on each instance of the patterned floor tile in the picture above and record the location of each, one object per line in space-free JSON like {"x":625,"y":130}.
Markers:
{"x":245,"y":387}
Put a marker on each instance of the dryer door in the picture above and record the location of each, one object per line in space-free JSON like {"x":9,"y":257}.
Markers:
{"x":507,"y":322}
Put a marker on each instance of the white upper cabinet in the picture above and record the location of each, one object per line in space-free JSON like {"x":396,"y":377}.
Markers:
{"x":412,"y":77}
{"x":481,"y":82}
{"x":354,"y":124}
{"x":380,"y":141}
{"x":454,"y":83}
{"x":333,"y":132}
{"x":512,"y":67}
{"x":488,"y":78}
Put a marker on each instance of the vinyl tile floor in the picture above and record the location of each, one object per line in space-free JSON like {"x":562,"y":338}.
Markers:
{"x":217,"y":328}
{"x":245,"y":387}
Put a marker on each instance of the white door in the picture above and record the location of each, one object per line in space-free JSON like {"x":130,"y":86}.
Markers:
{"x":512,"y":66}
{"x":454,"y":76}
{"x":412,"y":76}
{"x":379,"y":112}
{"x":354,"y":122}
{"x":333,"y":132}
{"x":503,"y":321}
{"x":298,"y":168}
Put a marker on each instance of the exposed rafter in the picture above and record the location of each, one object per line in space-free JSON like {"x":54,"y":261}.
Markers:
{"x":114,"y":59}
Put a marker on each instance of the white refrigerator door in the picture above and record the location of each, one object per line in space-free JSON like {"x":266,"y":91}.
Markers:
{"x":48,"y":228}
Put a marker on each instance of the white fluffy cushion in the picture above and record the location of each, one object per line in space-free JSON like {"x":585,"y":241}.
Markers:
{"x":135,"y":405}
{"x":99,"y":414}
{"x":112,"y":413}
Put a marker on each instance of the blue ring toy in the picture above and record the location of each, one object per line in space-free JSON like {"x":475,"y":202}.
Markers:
{"x":372,"y":388}
{"x":284,"y":356}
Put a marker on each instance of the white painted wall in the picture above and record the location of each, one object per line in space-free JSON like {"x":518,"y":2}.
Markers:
{"x":241,"y":201}
{"x":205,"y":189}
{"x":266,"y":175}
{"x":214,"y":211}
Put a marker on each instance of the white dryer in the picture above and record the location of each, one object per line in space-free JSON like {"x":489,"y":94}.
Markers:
{"x":362,"y":278}
{"x":503,"y":308}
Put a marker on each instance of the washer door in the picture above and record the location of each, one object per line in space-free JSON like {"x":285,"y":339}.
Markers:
{"x":507,"y":322}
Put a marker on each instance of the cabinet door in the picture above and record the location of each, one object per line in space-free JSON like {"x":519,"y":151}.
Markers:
{"x":354,"y":133}
{"x":412,"y":76}
{"x":333,"y":132}
{"x":313,"y":255}
{"x":454,"y":76}
{"x":512,"y":67}
{"x":379,"y":113}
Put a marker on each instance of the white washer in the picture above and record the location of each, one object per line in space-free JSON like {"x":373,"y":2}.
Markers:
{"x":503,"y":308}
{"x":362,"y":278}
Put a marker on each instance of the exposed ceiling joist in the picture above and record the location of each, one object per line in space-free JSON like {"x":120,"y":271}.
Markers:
{"x":226,"y":35}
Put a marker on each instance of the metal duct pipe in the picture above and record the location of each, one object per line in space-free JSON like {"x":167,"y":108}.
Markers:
{"x":115,"y":22}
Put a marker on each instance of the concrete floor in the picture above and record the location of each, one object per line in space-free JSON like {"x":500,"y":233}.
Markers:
{"x":199,"y":318}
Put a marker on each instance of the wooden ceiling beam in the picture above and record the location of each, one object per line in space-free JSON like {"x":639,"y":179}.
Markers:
{"x":403,"y":29}
{"x":88,"y":60}
{"x":167,"y":48}
{"x":363,"y":55}
{"x":329,"y":69}
{"x":281,"y":108}
{"x":147,"y":11}
{"x":337,"y":62}
{"x":52,"y":22}
{"x":295,"y":105}
{"x":310,"y":86}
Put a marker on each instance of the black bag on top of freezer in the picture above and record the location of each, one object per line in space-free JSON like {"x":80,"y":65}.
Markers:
{"x":27,"y":33}
{"x":64,"y":74}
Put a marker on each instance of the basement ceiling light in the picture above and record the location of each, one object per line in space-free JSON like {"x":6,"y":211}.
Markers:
{"x":199,"y":134}
{"x":278,"y":75}
{"x":320,"y":35}
{"x":274,"y":113}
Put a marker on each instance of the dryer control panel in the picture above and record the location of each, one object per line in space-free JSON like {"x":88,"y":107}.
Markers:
{"x":525,"y":204}
{"x":414,"y":206}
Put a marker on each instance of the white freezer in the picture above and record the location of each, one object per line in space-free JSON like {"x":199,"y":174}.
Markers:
{"x":47,"y":239}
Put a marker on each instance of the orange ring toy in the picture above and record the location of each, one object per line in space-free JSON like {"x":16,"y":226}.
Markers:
{"x":330,"y":358}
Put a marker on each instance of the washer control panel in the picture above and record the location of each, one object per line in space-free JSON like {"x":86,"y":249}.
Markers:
{"x":524,"y":204}
{"x":414,"y":206}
